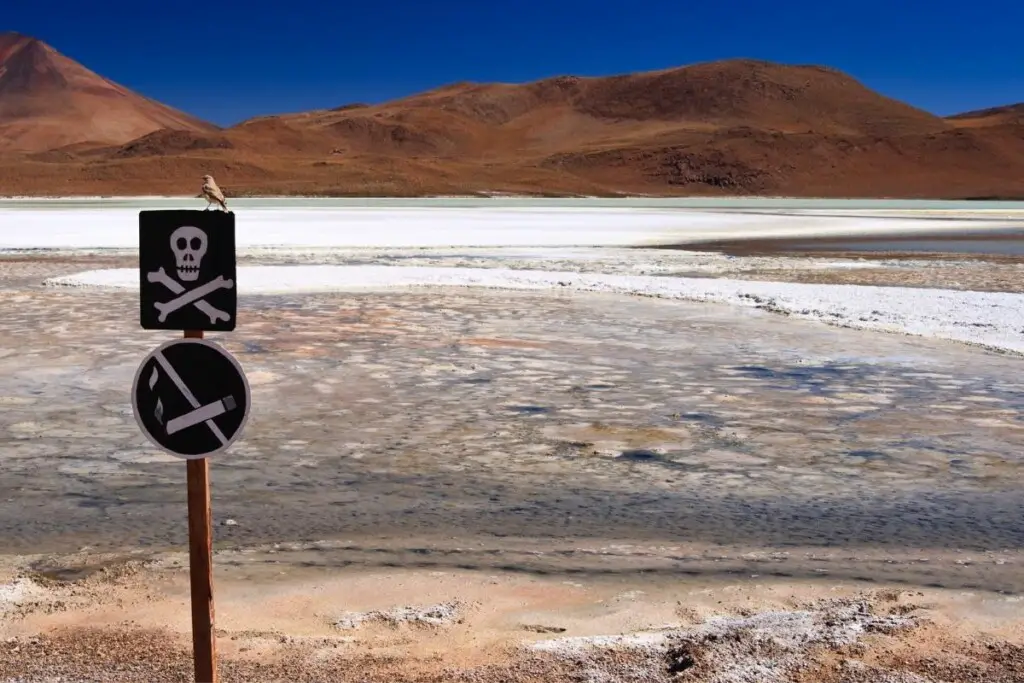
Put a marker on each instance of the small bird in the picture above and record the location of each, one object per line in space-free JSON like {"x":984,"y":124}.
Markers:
{"x":212,"y":194}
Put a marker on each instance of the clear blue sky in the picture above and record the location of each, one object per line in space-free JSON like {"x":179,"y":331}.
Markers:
{"x":291,"y":55}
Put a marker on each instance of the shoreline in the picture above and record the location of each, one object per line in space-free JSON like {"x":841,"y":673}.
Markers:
{"x":665,"y":560}
{"x":483,"y":194}
{"x":783,"y":203}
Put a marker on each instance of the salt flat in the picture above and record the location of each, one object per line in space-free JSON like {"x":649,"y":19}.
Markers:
{"x":55,"y":228}
{"x":640,"y":441}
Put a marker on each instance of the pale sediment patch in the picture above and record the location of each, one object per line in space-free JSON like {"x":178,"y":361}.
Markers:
{"x":19,"y":593}
{"x":442,"y":614}
{"x":990,"y":319}
{"x":766,"y":647}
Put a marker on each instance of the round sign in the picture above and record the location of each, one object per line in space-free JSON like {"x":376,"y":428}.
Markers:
{"x":190,"y":398}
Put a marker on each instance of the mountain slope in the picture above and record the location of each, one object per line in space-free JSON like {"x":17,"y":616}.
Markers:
{"x":48,"y":100}
{"x":731,"y":127}
{"x":559,"y":114}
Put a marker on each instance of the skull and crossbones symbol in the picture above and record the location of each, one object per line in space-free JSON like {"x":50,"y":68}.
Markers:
{"x":189,"y":245}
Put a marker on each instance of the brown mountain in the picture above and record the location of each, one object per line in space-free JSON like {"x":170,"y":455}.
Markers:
{"x":730,"y":127}
{"x":567,"y":111}
{"x":48,"y":100}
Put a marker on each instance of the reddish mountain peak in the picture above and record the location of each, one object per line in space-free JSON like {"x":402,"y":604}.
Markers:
{"x":49,"y":100}
{"x":25,"y":48}
{"x":10,"y":40}
{"x":28,"y":65}
{"x":31,"y":67}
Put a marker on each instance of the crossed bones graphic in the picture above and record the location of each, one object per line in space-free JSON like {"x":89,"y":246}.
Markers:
{"x":191,"y":296}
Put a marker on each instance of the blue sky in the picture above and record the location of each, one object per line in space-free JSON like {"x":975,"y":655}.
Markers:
{"x":271,"y":57}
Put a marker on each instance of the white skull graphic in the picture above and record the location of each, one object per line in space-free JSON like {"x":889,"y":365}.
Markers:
{"x":189,"y":246}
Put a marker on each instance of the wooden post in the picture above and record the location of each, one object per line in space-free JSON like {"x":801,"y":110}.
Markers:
{"x":200,"y":563}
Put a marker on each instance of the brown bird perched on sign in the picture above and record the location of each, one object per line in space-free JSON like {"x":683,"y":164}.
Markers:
{"x":212,"y":194}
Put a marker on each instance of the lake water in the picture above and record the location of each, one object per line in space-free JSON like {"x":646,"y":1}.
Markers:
{"x":998,"y":242}
{"x":1005,"y":247}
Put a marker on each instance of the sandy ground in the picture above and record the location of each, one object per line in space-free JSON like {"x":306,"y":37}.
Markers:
{"x":281,"y":621}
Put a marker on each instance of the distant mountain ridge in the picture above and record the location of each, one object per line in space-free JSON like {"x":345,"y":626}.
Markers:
{"x":1012,"y":114}
{"x":738,"y":126}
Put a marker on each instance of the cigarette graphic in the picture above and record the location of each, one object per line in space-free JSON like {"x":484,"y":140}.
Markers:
{"x":201,"y":414}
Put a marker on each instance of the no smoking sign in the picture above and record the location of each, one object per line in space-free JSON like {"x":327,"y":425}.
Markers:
{"x":190,"y":398}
